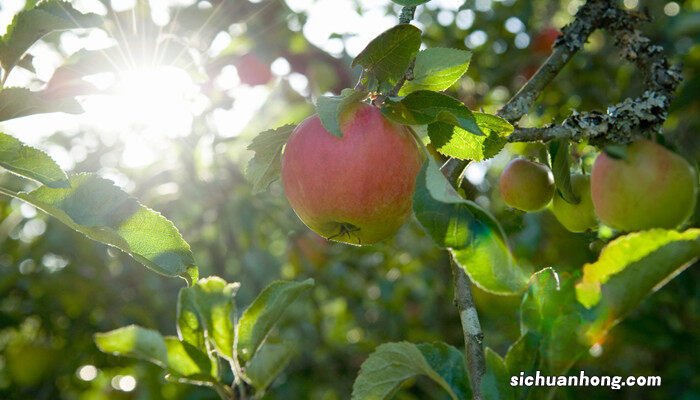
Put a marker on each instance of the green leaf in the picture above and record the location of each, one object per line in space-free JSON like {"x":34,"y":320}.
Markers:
{"x":629,"y":269}
{"x":474,"y":236}
{"x":388,"y":56}
{"x":547,"y":297}
{"x":522,"y":355}
{"x":425,"y":107}
{"x":179,"y":358}
{"x":443,"y":214}
{"x":134,"y":341}
{"x":213,"y":302}
{"x":549,"y":309}
{"x":410,"y":2}
{"x":32,"y":24}
{"x":270,"y":360}
{"x":563,"y":345}
{"x":330,"y":109}
{"x":30,"y":162}
{"x":495,"y":384}
{"x":490,"y":264}
{"x":437,"y":69}
{"x":559,"y":152}
{"x":27,"y":62}
{"x":393,"y":363}
{"x":265,"y":166}
{"x":20,"y":102}
{"x":189,"y":362}
{"x":455,"y":142}
{"x":98,"y":209}
{"x":263,"y":313}
{"x":189,"y":326}
{"x":448,"y":362}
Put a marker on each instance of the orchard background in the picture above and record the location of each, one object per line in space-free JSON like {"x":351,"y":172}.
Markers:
{"x":175,"y":92}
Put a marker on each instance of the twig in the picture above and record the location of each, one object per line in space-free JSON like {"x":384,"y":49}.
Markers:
{"x":471,"y":328}
{"x":407,"y":14}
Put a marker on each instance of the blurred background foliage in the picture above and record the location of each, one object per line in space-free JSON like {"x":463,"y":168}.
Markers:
{"x":257,"y":65}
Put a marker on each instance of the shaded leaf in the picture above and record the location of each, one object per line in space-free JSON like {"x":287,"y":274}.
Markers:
{"x":267,"y":364}
{"x":189,"y":325}
{"x":547,"y":297}
{"x":30,"y":162}
{"x":393,"y":363}
{"x":388,"y":56}
{"x":495,"y":384}
{"x":559,"y":152}
{"x":134,"y":341}
{"x":448,"y":362}
{"x":32,"y":24}
{"x":425,"y":107}
{"x":97,"y":208}
{"x":265,"y":166}
{"x":331,"y":108}
{"x":522,"y":355}
{"x":563,"y":344}
{"x":20,"y":102}
{"x":549,"y":309}
{"x":437,"y":69}
{"x":263,"y":313}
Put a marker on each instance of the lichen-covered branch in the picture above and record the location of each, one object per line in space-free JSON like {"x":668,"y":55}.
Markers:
{"x":622,"y":121}
{"x":573,"y":37}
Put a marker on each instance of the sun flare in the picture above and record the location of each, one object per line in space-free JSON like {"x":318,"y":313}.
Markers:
{"x":144,"y":108}
{"x":154,"y":100}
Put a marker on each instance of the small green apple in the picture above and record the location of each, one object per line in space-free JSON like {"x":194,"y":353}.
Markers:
{"x":526,"y":185}
{"x":578,"y":217}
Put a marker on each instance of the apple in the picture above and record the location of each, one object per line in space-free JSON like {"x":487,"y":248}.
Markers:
{"x":544,"y":40}
{"x":357,"y":189}
{"x":526,"y":185}
{"x":649,"y":187}
{"x":252,"y":71}
{"x":578,"y":217}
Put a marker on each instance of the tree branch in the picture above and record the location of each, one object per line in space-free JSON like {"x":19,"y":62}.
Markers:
{"x":621,"y":122}
{"x":471,"y":328}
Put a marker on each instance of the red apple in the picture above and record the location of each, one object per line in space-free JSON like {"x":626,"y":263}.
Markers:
{"x":356,"y":189}
{"x":526,"y":185}
{"x":543,"y":41}
{"x":649,"y":187}
{"x":252,"y":71}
